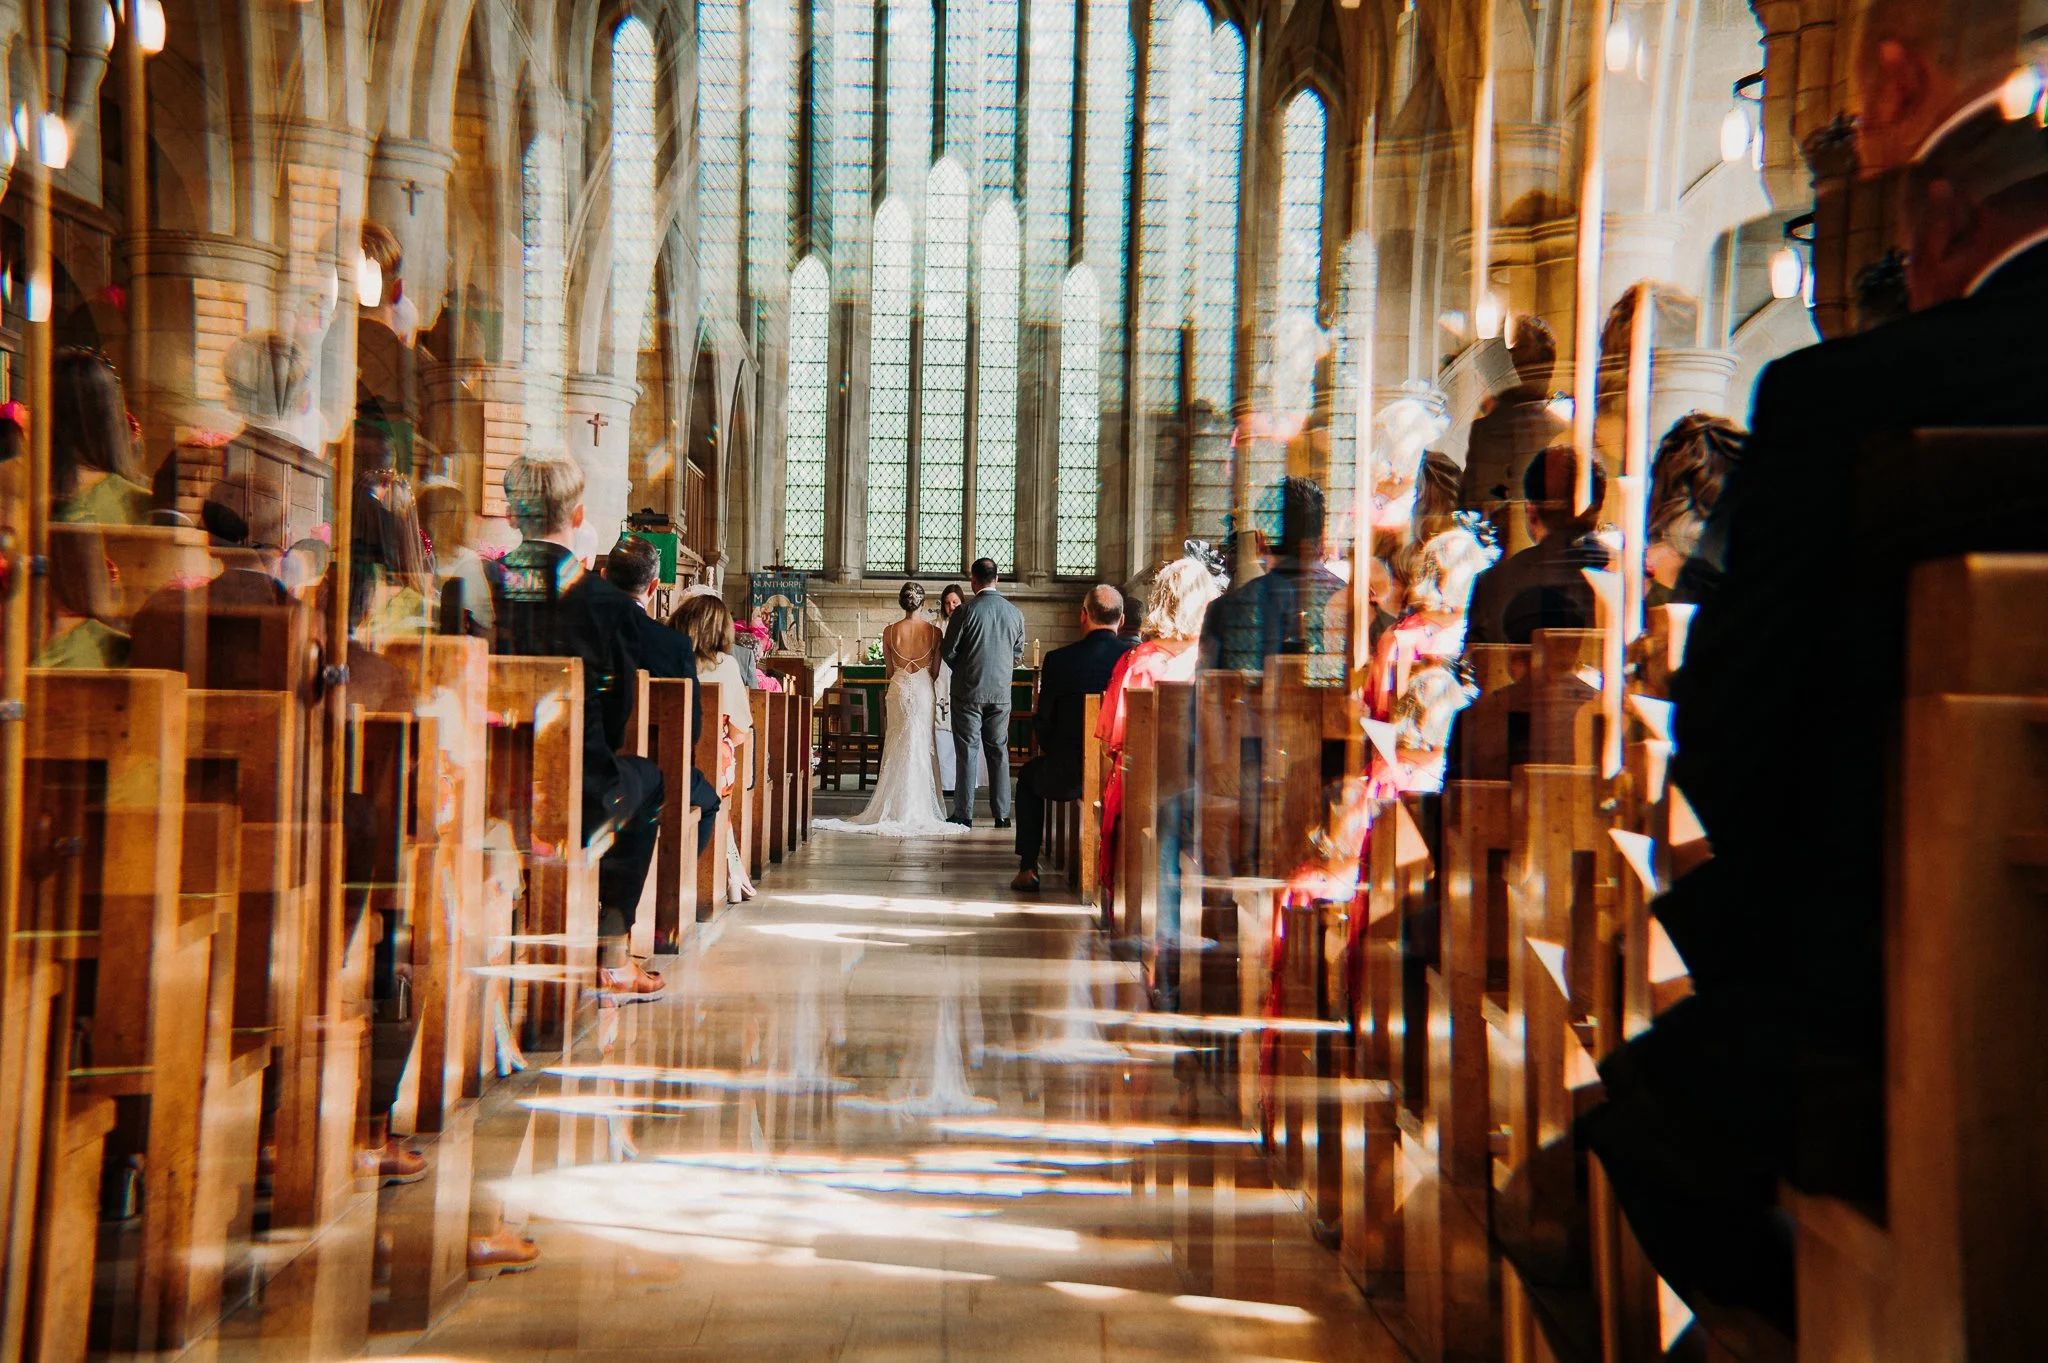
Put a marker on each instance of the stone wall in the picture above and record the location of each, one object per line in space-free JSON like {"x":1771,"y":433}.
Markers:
{"x":859,"y":613}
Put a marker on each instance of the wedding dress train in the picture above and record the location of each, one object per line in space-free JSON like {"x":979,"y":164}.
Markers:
{"x":906,"y":799}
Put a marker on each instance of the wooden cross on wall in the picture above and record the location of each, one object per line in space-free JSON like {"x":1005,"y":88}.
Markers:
{"x":597,"y":424}
{"x":411,"y":189}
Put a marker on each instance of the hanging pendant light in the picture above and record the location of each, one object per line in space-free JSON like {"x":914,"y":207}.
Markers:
{"x":1788,"y":273}
{"x":1621,"y":43}
{"x":1735,"y":134}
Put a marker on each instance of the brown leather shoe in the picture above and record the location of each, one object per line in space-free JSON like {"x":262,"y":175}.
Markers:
{"x":506,"y":1252}
{"x":391,"y":1163}
{"x":1026,"y":879}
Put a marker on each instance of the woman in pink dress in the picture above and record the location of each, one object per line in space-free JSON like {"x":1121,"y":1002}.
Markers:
{"x":1173,"y":626}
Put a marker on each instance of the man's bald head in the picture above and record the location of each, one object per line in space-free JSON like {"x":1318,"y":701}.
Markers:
{"x":1921,"y":62}
{"x":1102,"y":608}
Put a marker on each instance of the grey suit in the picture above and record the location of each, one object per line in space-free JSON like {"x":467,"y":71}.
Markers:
{"x":984,"y":643}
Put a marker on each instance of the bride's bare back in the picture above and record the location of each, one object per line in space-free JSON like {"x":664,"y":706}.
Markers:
{"x":912,"y":645}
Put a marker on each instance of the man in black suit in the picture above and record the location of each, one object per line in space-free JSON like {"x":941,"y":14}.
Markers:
{"x":1297,"y":606}
{"x":547,"y":606}
{"x":1066,"y":679}
{"x":634,"y":567}
{"x":1518,"y":425}
{"x":1787,"y":718}
{"x":1544,"y":586}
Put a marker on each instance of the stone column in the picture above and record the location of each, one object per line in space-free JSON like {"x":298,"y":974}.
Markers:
{"x":598,"y":419}
{"x":1636,"y":246}
{"x":408,"y":193}
{"x":204,"y":291}
{"x":475,"y":414}
{"x":1687,"y":379}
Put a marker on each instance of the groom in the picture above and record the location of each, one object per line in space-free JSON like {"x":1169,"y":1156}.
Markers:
{"x":984,"y":643}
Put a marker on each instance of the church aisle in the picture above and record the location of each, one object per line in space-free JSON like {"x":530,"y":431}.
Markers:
{"x":869,"y":1121}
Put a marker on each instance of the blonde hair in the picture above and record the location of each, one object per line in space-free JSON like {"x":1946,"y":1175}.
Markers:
{"x":380,"y":245}
{"x":1423,"y":714}
{"x":1446,"y":569}
{"x":1180,"y":599}
{"x":707,"y":624}
{"x":542,"y":493}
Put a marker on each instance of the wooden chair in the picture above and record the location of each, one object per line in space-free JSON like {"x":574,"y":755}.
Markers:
{"x":845,"y":741}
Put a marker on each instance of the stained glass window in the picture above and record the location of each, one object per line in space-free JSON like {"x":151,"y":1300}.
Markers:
{"x":1049,"y":129}
{"x":995,"y":454}
{"x":1080,"y":481}
{"x":719,"y":104}
{"x":889,"y":391}
{"x":942,"y":428}
{"x":540,"y":265}
{"x":771,"y":128}
{"x":998,"y":94}
{"x":810,"y":382}
{"x":853,"y":116}
{"x":1216,"y":237}
{"x":632,"y":170}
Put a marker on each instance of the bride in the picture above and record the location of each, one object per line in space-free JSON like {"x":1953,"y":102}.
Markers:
{"x":906,"y":799}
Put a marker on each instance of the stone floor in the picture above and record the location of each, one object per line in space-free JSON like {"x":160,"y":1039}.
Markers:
{"x":868,"y":1121}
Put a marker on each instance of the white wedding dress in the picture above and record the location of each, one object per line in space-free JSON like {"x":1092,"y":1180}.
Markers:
{"x":906,"y":800}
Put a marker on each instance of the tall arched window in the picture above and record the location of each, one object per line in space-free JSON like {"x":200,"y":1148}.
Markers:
{"x":1216,"y":238}
{"x":770,"y":132}
{"x":1299,"y":272}
{"x":942,"y":428}
{"x":853,"y":113}
{"x":810,"y":382}
{"x":995,"y":453}
{"x":1106,"y":224}
{"x":719,"y":105}
{"x":632,"y":173}
{"x":909,"y":108}
{"x":1048,"y":165}
{"x":889,"y":391}
{"x":1080,"y":480}
{"x":998,"y":95}
{"x":1355,"y":303}
{"x":541,"y":192}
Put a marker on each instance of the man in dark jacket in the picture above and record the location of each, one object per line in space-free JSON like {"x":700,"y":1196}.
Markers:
{"x":984,"y":643}
{"x":1788,"y":706}
{"x":1066,"y":679}
{"x":1544,"y":586}
{"x":548,"y":606}
{"x":634,"y":567}
{"x":1518,"y":426}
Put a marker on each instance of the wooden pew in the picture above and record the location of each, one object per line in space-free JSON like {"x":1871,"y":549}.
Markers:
{"x":711,"y":879}
{"x":145,"y":558}
{"x":1948,"y":1274}
{"x":117,"y":969}
{"x":536,"y":786}
{"x":662,"y":733}
{"x":764,"y":808}
{"x":1088,"y":842}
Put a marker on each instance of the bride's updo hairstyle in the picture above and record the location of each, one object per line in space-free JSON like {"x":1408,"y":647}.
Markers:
{"x":911,"y":597}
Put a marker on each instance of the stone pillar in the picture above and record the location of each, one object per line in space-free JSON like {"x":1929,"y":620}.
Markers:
{"x":408,"y":193}
{"x":204,"y":291}
{"x":1636,"y":246}
{"x":1687,"y":379}
{"x":475,"y":414}
{"x":598,"y":420}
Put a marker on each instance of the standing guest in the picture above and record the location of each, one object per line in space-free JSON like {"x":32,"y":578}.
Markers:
{"x":462,"y":590}
{"x":546,"y":605}
{"x":1067,"y":678}
{"x":951,"y":598}
{"x":634,"y":567}
{"x":1519,"y":424}
{"x":984,"y":643}
{"x":92,"y":444}
{"x":1544,"y":586}
{"x":705,"y":622}
{"x":1692,"y":464}
{"x":1170,"y":653}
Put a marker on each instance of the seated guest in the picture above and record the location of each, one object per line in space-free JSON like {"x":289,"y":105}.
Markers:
{"x":1544,"y":586}
{"x":237,"y":630}
{"x":1297,"y":606}
{"x":461,"y":589}
{"x":1692,"y":464}
{"x":1788,"y":712}
{"x":546,"y":605}
{"x":1181,"y":597}
{"x":634,"y":567}
{"x":704,"y":620}
{"x":1518,"y":425}
{"x":1067,"y":677}
{"x":388,"y":562}
{"x":92,"y":444}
